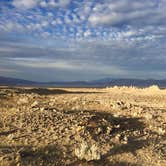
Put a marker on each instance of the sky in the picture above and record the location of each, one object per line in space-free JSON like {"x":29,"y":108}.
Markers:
{"x":69,"y":40}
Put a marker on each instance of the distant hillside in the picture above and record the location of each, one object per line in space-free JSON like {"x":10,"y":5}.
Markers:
{"x":95,"y":83}
{"x":14,"y":81}
{"x":7,"y":81}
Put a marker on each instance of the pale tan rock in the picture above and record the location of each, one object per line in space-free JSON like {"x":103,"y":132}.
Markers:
{"x":87,"y":151}
{"x":34,"y":104}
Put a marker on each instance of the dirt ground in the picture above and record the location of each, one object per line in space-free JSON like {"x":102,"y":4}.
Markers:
{"x":82,"y":127}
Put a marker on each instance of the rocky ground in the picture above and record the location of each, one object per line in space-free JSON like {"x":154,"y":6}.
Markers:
{"x":82,"y":127}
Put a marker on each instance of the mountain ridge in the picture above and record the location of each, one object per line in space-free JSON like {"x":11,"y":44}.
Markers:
{"x":9,"y":81}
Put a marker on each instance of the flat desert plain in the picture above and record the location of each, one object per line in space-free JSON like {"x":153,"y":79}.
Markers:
{"x":82,"y":126}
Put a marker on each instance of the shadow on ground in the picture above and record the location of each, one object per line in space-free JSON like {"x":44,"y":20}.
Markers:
{"x":3,"y":96}
{"x":45,"y":91}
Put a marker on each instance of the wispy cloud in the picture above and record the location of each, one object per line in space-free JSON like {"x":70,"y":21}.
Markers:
{"x":120,"y":38}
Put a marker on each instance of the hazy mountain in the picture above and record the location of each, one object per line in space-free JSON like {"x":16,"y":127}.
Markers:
{"x":95,"y":83}
{"x":14,"y":81}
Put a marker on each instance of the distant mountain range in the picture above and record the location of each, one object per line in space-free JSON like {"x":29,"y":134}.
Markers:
{"x":6,"y":81}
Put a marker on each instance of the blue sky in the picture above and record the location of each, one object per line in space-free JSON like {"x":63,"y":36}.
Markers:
{"x":64,"y":40}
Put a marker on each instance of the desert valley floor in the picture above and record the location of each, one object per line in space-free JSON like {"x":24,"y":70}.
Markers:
{"x":82,"y":126}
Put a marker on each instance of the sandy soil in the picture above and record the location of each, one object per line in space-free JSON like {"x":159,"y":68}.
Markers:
{"x":83,"y":127}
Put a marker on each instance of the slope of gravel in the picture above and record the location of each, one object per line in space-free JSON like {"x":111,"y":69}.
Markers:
{"x":112,"y":126}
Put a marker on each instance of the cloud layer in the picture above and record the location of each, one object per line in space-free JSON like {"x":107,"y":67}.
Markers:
{"x":73,"y":40}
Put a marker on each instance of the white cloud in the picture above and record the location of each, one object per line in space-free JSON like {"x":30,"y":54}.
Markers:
{"x":52,"y":3}
{"x":44,"y":23}
{"x":67,"y":20}
{"x":111,"y":18}
{"x":75,"y":18}
{"x":54,"y":22}
{"x":87,"y":33}
{"x":125,"y":12}
{"x":7,"y":49}
{"x":25,"y":4}
{"x":11,"y":26}
{"x":63,"y":3}
{"x":70,"y":65}
{"x":45,"y":34}
{"x":43,"y":4}
{"x":44,"y":63}
{"x":29,"y":4}
{"x":50,"y":14}
{"x":59,"y":21}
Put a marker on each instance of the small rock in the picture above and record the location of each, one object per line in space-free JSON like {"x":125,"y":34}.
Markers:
{"x":124,"y":139}
{"x":10,"y":136}
{"x":148,"y":116}
{"x":98,"y":130}
{"x":160,"y":131}
{"x":109,"y":129}
{"x":42,"y":109}
{"x":117,"y":137}
{"x":22,"y":100}
{"x":35,"y":103}
{"x":87,"y":151}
